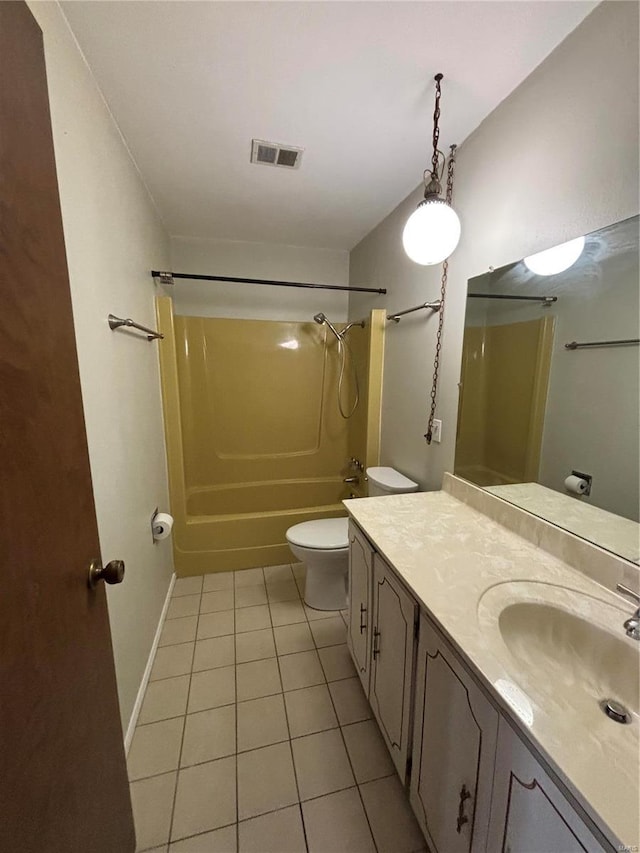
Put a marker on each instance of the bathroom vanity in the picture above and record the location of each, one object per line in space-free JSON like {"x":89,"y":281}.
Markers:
{"x":485,"y":658}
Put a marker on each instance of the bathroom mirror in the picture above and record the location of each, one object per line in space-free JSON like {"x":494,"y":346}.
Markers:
{"x":549,"y":414}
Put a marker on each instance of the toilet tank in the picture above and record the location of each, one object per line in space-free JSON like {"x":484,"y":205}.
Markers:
{"x":388,"y":481}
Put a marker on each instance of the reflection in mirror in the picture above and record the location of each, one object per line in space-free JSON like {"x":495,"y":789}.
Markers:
{"x":549,"y":414}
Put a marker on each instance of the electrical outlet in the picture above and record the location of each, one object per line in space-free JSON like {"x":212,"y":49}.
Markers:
{"x":437,"y":431}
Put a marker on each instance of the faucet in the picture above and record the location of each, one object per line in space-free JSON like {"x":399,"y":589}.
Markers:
{"x":355,"y":480}
{"x":632,"y":625}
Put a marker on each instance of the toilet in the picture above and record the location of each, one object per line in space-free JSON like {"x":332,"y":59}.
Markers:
{"x":323,"y":545}
{"x":388,"y":481}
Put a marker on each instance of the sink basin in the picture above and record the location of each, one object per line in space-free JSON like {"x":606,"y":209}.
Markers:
{"x":566,"y":643}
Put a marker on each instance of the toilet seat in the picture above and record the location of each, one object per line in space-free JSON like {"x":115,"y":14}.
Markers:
{"x":322,"y":534}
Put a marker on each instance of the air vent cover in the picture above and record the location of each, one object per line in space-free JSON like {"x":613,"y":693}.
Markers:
{"x":275,"y":154}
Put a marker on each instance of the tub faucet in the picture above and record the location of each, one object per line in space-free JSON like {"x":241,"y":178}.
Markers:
{"x":355,"y":480}
{"x":632,"y":625}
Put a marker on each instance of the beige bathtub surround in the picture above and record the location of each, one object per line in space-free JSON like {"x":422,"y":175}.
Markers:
{"x":241,"y":472}
{"x":466,"y":567}
{"x":262,"y":720}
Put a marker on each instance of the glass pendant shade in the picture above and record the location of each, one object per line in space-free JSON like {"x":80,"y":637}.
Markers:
{"x":557,"y":259}
{"x":432,"y":232}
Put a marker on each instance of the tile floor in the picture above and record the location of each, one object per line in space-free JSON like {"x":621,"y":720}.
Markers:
{"x":255,"y":735}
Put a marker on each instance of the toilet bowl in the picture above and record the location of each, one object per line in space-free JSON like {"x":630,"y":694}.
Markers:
{"x":323,"y":546}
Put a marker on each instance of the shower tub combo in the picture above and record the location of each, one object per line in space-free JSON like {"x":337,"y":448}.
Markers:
{"x":255,"y":439}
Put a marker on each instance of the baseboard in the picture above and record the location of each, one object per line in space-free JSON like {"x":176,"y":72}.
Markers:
{"x":133,"y":721}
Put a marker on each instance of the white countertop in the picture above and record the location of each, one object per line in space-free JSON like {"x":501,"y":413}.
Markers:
{"x":450,"y":555}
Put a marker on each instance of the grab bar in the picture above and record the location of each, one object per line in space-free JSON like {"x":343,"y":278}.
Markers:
{"x":576,"y":345}
{"x":117,"y":322}
{"x":434,"y":306}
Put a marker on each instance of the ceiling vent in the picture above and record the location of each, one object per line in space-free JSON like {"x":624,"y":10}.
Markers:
{"x":275,"y":154}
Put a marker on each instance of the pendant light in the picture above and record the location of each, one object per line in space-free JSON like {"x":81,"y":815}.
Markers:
{"x":432,"y":231}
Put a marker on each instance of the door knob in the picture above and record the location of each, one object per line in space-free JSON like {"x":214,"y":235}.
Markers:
{"x":113,"y":572}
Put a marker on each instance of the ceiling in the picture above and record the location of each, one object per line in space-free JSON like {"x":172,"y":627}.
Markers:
{"x":190,"y":84}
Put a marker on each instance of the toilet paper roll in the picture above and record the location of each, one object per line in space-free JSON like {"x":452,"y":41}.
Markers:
{"x":162,"y":524}
{"x":576,"y":485}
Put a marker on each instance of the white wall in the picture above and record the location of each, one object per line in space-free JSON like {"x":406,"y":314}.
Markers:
{"x":113,"y":238}
{"x":258,"y":260}
{"x":556,"y":159}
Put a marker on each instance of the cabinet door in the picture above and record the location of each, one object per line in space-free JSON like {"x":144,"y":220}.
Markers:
{"x":529,"y":812}
{"x":454,"y":746}
{"x":393,"y":640}
{"x":360,"y":578}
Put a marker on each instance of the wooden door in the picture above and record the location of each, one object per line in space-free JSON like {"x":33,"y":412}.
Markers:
{"x":453,"y":751}
{"x":393,"y":642}
{"x":63,"y":783}
{"x":360,"y":576}
{"x":529,"y":813}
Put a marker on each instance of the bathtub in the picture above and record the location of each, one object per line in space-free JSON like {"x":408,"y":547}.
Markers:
{"x":243,"y":525}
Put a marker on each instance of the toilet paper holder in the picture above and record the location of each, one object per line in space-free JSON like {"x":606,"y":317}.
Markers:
{"x":588,"y":478}
{"x":151,"y":523}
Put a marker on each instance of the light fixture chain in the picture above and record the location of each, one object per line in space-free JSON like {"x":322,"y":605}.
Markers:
{"x":436,"y":128}
{"x":443,"y":292}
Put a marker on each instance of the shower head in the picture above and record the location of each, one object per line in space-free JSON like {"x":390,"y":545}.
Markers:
{"x":321,"y":319}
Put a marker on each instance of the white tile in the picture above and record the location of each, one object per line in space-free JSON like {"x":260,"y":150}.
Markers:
{"x":258,"y":678}
{"x":176,"y":631}
{"x":266,"y":780}
{"x":301,"y":669}
{"x":255,"y":645}
{"x":184,"y":605}
{"x":218,"y":580}
{"x":277,"y":574}
{"x":212,"y":602}
{"x":350,"y":702}
{"x":155,"y":748}
{"x":312,"y":614}
{"x":212,"y":688}
{"x":210,"y":654}
{"x":251,"y":596}
{"x":172,"y":660}
{"x":261,"y":722}
{"x":219,"y":841}
{"x":215,"y":624}
{"x":208,"y":735}
{"x":283,"y":591}
{"x":287,"y":612}
{"x":293,"y":638}
{"x":337,"y":822}
{"x":336,"y":662}
{"x":206,"y":798}
{"x":394,"y":827}
{"x":368,"y":752}
{"x":329,"y":632}
{"x":252,"y":619}
{"x":310,"y":710}
{"x":164,"y":699}
{"x":248,"y":577}
{"x":322,"y":764}
{"x":152,"y":801}
{"x":277,"y":832}
{"x":187,"y":586}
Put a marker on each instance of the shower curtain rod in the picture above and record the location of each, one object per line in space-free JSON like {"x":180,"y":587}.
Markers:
{"x":546,"y":299}
{"x":168,"y":278}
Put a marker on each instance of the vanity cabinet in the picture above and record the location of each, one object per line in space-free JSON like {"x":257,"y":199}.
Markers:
{"x":360,"y":581}
{"x":454,"y":745}
{"x":529,"y":813}
{"x":392,"y":657}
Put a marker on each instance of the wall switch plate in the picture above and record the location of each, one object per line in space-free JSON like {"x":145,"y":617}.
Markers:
{"x":436,"y":432}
